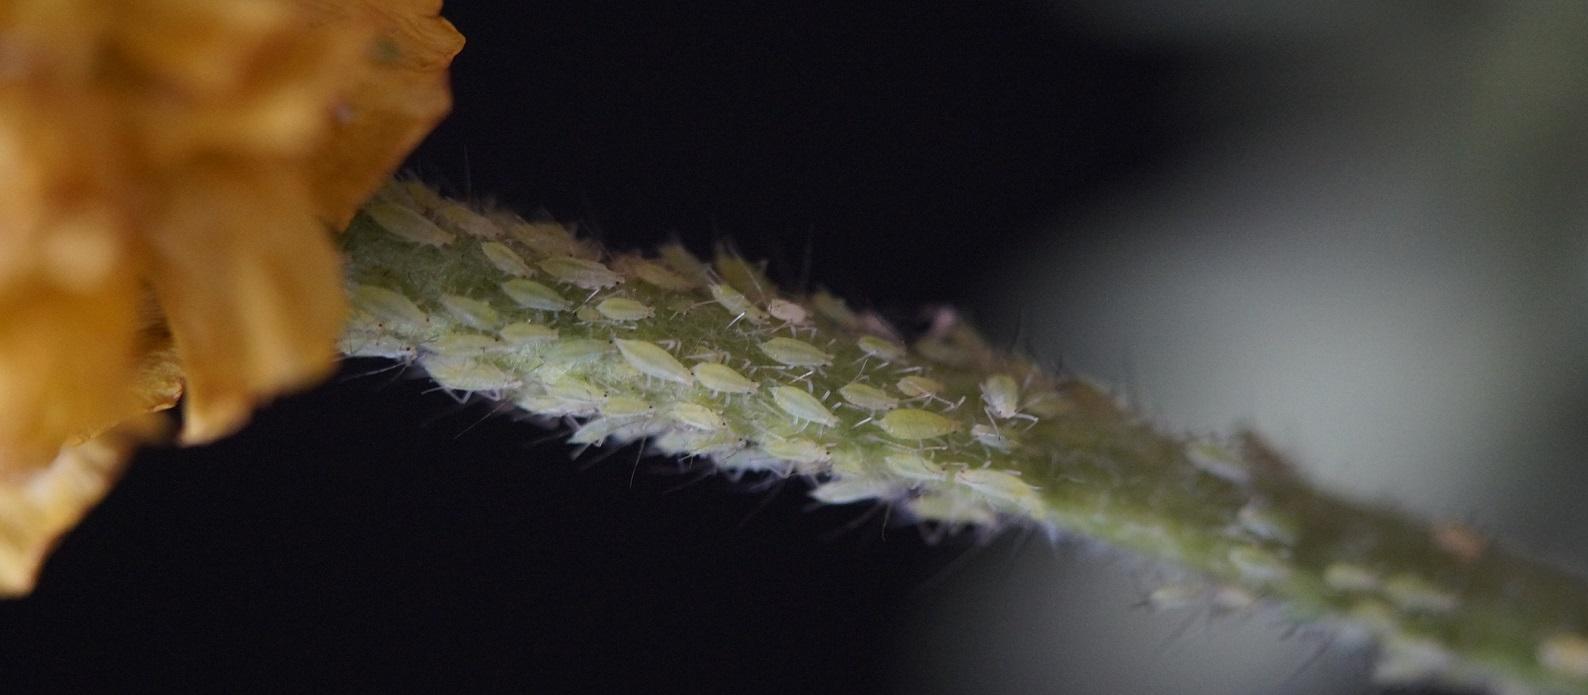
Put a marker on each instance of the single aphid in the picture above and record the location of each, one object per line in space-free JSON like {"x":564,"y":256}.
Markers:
{"x":389,"y":307}
{"x":835,"y":309}
{"x":580,"y":272}
{"x":802,"y":406}
{"x":576,"y":351}
{"x":595,"y":431}
{"x":653,"y":273}
{"x":626,"y":406}
{"x":916,"y":424}
{"x":463,"y":219}
{"x":653,"y":360}
{"x":470,"y":312}
{"x":1001,"y":395}
{"x":867,"y":397}
{"x":356,"y":343}
{"x":624,"y":309}
{"x":880,"y":348}
{"x":1003,"y":487}
{"x":917,"y":386}
{"x":682,"y":441}
{"x":788,"y":312}
{"x":408,"y":225}
{"x":463,"y":344}
{"x":749,"y":278}
{"x":797,"y":449}
{"x":795,"y":353}
{"x":953,"y":510}
{"x":573,"y":390}
{"x":738,"y":306}
{"x":990,"y":437}
{"x":587,"y":314}
{"x":849,"y":491}
{"x":721,"y":378}
{"x":914,"y":467}
{"x":506,"y":259}
{"x":547,"y":238}
{"x":698,"y":416}
{"x":681,"y":261}
{"x":533,"y":295}
{"x":526,"y":333}
{"x":466,"y":374}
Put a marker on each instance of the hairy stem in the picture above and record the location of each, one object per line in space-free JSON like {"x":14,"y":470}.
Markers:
{"x":714,"y":361}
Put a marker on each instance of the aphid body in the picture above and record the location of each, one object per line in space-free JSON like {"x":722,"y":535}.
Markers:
{"x":802,"y":406}
{"x":739,"y":306}
{"x":470,"y":312}
{"x":580,"y":272}
{"x":389,"y":307}
{"x":867,"y":397}
{"x":914,"y":423}
{"x":795,"y":353}
{"x":506,"y":259}
{"x":654,"y":360}
{"x":624,"y":309}
{"x":721,"y":378}
{"x":408,"y":225}
{"x":533,"y":295}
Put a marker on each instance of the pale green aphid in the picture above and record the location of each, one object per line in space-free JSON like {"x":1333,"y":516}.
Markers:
{"x":1001,"y":394}
{"x":802,"y":406}
{"x":408,"y":225}
{"x":624,"y":309}
{"x":574,"y":352}
{"x":587,"y":314}
{"x":461,"y":218}
{"x":470,"y":312}
{"x":743,"y":275}
{"x":914,"y":423}
{"x":654,"y":360}
{"x":835,"y":309}
{"x":681,"y":261}
{"x":506,"y":259}
{"x":595,"y":431}
{"x":914,"y":467}
{"x":526,"y":333}
{"x":990,"y":437}
{"x":788,"y":312}
{"x":795,"y":353}
{"x":949,"y":509}
{"x":467,"y":374}
{"x":917,"y":386}
{"x":692,"y":442}
{"x":849,"y":491}
{"x":574,"y":390}
{"x":1001,"y":486}
{"x":373,"y":344}
{"x":797,"y":449}
{"x":880,"y":348}
{"x":388,"y":307}
{"x":546,"y":238}
{"x":723,"y":379}
{"x":737,"y":304}
{"x":653,"y":273}
{"x":626,"y":406}
{"x":1258,"y":565}
{"x":697,"y":416}
{"x":580,"y":272}
{"x":533,"y":295}
{"x":463,"y":344}
{"x":867,"y":397}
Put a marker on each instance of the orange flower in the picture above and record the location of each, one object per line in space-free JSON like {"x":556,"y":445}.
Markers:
{"x":168,"y":173}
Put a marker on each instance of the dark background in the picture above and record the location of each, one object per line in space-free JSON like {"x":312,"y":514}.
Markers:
{"x":369,"y":533}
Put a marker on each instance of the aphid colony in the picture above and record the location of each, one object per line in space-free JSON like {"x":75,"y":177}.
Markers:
{"x":525,"y":312}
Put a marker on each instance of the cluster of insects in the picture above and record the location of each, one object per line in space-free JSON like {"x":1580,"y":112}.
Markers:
{"x":702,"y":359}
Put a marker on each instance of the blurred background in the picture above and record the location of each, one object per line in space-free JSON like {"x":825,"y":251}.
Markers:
{"x":1359,"y":229}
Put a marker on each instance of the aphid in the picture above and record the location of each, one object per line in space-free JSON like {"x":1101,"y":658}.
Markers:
{"x":595,"y":431}
{"x":917,"y":386}
{"x":653,"y":273}
{"x":914,"y":467}
{"x":949,"y":509}
{"x":835,"y":309}
{"x":1258,"y":565}
{"x":408,"y":225}
{"x":587,"y":314}
{"x":737,"y":304}
{"x":424,"y":197}
{"x":749,"y":278}
{"x":1002,"y":486}
{"x":360,"y":344}
{"x":697,"y":416}
{"x":463,"y":344}
{"x":525,"y":333}
{"x":465,"y":374}
{"x":681,"y":261}
{"x":721,"y":378}
{"x":1345,"y":576}
{"x":1413,"y":593}
{"x":506,"y":259}
{"x":795,"y":353}
{"x":577,"y":351}
{"x":990,"y":437}
{"x":691,"y":442}
{"x":533,"y":295}
{"x":653,"y":360}
{"x":849,"y":491}
{"x":867,"y":397}
{"x":787,"y":312}
{"x":797,"y":449}
{"x":573,"y":390}
{"x":802,"y":406}
{"x":470,"y":312}
{"x":1001,"y":395}
{"x":914,"y":423}
{"x":625,"y":406}
{"x":624,"y":309}
{"x":880,"y":348}
{"x":389,"y":307}
{"x":546,"y":238}
{"x":1265,"y":522}
{"x":461,"y":218}
{"x":580,"y":272}
{"x":1565,"y":654}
